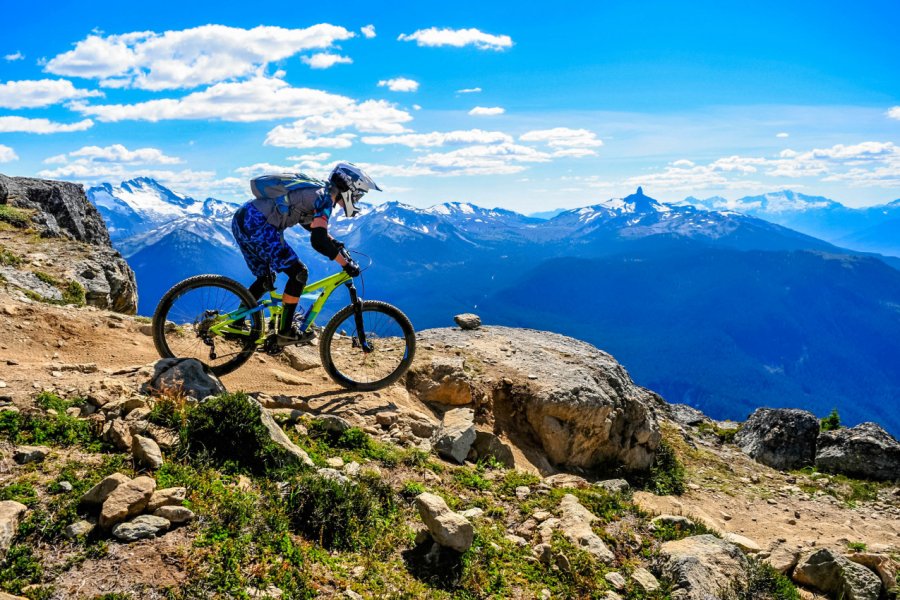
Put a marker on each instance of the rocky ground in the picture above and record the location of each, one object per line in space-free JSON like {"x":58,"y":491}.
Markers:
{"x":509,"y":463}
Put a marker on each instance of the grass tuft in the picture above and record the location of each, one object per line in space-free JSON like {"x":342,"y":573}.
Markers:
{"x":14,"y":216}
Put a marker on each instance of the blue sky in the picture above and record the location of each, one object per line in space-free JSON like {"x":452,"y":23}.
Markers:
{"x":576,"y":101}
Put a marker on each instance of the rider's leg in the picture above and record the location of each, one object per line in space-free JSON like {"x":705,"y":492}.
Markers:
{"x":297,"y":276}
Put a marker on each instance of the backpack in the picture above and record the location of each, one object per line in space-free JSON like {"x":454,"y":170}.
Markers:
{"x":277,"y":186}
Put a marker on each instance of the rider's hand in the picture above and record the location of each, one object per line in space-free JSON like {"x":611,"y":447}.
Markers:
{"x":352,"y":268}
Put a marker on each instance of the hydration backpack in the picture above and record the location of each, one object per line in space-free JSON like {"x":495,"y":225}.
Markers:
{"x":277,"y":186}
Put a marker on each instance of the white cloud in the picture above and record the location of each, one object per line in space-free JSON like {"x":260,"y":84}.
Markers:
{"x":457,"y":38}
{"x":43,"y":92}
{"x":474,"y":90}
{"x":326,"y":60}
{"x":290,"y":136}
{"x":563,"y":137}
{"x":483,"y":159}
{"x":189,"y":57}
{"x":14,"y":56}
{"x":487,"y":111}
{"x":399,"y":84}
{"x":683,"y":163}
{"x":7,"y":154}
{"x":782,"y":134}
{"x":368,"y":31}
{"x":117,"y":153}
{"x":894,"y":112}
{"x":573,"y":153}
{"x":25,"y":125}
{"x":440,"y":138}
{"x":321,"y":156}
{"x":263,"y":99}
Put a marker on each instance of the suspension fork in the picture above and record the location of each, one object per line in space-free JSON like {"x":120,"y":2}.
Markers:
{"x":358,"y":317}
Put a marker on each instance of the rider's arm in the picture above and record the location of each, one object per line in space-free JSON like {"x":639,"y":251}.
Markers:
{"x":323,"y":243}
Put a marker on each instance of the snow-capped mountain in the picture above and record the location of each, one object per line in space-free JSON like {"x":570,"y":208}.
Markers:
{"x":870,"y":229}
{"x":141,"y":204}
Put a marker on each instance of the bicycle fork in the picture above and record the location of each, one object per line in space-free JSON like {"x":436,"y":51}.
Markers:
{"x":358,"y":318}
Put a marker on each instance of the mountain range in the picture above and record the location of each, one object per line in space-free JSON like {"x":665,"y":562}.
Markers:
{"x":715,"y":308}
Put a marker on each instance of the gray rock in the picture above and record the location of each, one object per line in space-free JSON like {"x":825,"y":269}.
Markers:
{"x":443,"y":380}
{"x":468,"y":321}
{"x":488,"y":445}
{"x":118,"y":434}
{"x":613,"y":486}
{"x":782,"y":559}
{"x":291,"y":450}
{"x":882,"y":564}
{"x":702,"y":566}
{"x":146,"y":452}
{"x":456,"y":435}
{"x":686,"y":415}
{"x":616,"y":579}
{"x":583,"y":409}
{"x":98,"y":494}
{"x":11,"y":514}
{"x":671,"y":521}
{"x":142,"y":527}
{"x":744,"y":543}
{"x":129,"y":498}
{"x":447,"y":528}
{"x":575,"y":524}
{"x":866,"y":451}
{"x":781,"y":438}
{"x":645,"y":580}
{"x":828,"y":571}
{"x":175,"y":514}
{"x":79,"y":529}
{"x":333,"y":475}
{"x":334,"y":423}
{"x":185,"y":375}
{"x":29,"y":454}
{"x":65,"y":487}
{"x":172,"y":496}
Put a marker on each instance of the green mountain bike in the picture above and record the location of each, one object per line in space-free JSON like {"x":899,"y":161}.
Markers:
{"x":365,"y":346}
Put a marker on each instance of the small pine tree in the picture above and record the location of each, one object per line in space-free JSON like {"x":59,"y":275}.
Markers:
{"x":831,"y":422}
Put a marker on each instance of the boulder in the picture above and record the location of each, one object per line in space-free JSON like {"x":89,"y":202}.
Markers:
{"x":782,"y":558}
{"x":118,"y":434}
{"x":172,"y":496}
{"x":866,"y":451}
{"x":744,"y":543}
{"x":686,"y":415}
{"x":302,"y":358}
{"x":830,"y":572}
{"x":175,"y":514}
{"x":645,"y":580}
{"x":488,"y":445}
{"x":575,"y":401}
{"x":443,"y":381}
{"x":566,"y":480}
{"x":468,"y":321}
{"x":79,"y":529}
{"x":702,"y":566}
{"x":334,"y":423}
{"x":291,"y":450}
{"x":142,"y":527}
{"x":781,"y":438}
{"x":613,"y":486}
{"x":456,"y":435}
{"x":98,"y":494}
{"x":128,"y":499}
{"x":29,"y":454}
{"x":11,"y":514}
{"x":186,"y":376}
{"x":575,"y":524}
{"x":447,"y":528}
{"x":882,"y":564}
{"x":146,"y":452}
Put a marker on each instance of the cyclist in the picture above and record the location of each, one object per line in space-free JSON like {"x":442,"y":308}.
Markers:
{"x":259,"y":225}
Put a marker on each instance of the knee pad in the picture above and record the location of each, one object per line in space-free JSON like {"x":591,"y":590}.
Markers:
{"x":297,"y":275}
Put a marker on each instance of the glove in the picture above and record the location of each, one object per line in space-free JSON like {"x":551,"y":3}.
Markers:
{"x":352,"y":268}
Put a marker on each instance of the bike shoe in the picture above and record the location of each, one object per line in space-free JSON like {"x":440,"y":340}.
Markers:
{"x":294,"y":337}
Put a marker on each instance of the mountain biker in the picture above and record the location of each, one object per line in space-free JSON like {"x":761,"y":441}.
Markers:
{"x":259,"y":225}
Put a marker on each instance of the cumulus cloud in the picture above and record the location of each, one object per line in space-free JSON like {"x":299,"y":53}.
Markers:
{"x":311,"y":157}
{"x":474,"y":90}
{"x":440,"y":138}
{"x":14,"y":57}
{"x":563,"y":137}
{"x":894,"y":112}
{"x":399,"y":84}
{"x":292,"y":136}
{"x":458,"y":38}
{"x":43,"y":92}
{"x":25,"y":125}
{"x":189,"y":57}
{"x":7,"y":154}
{"x":782,"y":134}
{"x":117,"y":153}
{"x":326,"y":60}
{"x":368,"y":31}
{"x":487,"y":111}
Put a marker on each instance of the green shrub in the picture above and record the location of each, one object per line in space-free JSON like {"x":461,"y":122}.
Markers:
{"x":726,"y":436}
{"x":831,"y":422}
{"x":19,"y":492}
{"x":9,"y":258}
{"x":59,"y":430}
{"x":14,"y":216}
{"x":471,"y":478}
{"x":20,"y":568}
{"x":762,"y":582}
{"x":411,"y":489}
{"x":227,"y":430}
{"x":856,"y":546}
{"x":73,"y":293}
{"x":340,"y":516}
{"x":667,"y":475}
{"x":46,"y":278}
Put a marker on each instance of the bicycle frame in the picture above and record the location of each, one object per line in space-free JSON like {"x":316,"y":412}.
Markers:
{"x":272,"y":306}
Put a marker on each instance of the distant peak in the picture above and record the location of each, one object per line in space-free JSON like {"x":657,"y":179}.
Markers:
{"x":639,"y":192}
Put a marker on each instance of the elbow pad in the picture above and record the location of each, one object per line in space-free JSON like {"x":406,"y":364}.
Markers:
{"x":323,"y":244}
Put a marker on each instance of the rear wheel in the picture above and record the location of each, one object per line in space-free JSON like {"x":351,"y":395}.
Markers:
{"x":390,"y":346}
{"x":184,"y":315}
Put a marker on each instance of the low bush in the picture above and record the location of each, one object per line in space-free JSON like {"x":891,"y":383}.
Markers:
{"x":666,"y":476}
{"x":762,"y":582}
{"x":9,"y":258}
{"x":73,"y":293}
{"x":57,"y":429}
{"x":831,"y":422}
{"x":14,"y":216}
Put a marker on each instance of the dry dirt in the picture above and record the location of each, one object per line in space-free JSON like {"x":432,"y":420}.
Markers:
{"x":729,"y":491}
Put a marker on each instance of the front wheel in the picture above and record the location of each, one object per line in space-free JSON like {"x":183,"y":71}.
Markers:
{"x":390,"y":344}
